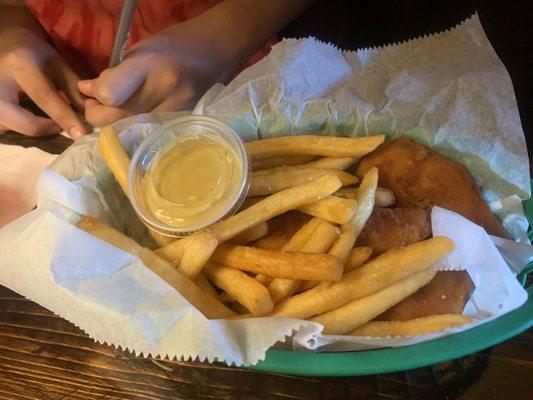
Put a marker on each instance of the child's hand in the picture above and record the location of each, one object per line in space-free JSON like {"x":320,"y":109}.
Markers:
{"x":167,"y":71}
{"x":28,"y":64}
{"x":172,"y":69}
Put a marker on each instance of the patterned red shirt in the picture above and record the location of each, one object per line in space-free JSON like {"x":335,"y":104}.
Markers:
{"x":83,"y":30}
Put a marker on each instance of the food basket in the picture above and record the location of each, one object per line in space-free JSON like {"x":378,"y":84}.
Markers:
{"x":380,"y":361}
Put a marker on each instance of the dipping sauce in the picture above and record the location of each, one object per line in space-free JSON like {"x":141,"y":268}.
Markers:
{"x":192,"y":180}
{"x":187,"y":174}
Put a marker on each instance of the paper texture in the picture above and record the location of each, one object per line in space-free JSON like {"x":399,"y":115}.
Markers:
{"x":303,"y":86}
{"x":448,"y":91}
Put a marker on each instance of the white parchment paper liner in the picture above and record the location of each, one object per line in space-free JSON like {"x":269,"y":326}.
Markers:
{"x":303,"y":86}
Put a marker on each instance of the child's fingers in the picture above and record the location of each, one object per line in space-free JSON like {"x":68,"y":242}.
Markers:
{"x":97,"y":114}
{"x":116,"y":85}
{"x":17,"y":119}
{"x":42,"y":91}
{"x":67,"y":80}
{"x":176,"y":101}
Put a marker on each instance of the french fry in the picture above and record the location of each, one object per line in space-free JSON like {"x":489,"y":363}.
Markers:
{"x":412,"y":327}
{"x":306,"y":285}
{"x":160,"y":239}
{"x":276,"y":204}
{"x":226,"y":298}
{"x":378,"y":273}
{"x":199,"y":250}
{"x":277,"y":264}
{"x":282,"y":161}
{"x":110,"y":235}
{"x":352,"y":229}
{"x":245,"y":289}
{"x":298,"y":240}
{"x":251,"y":234}
{"x":384,"y":197}
{"x":173,"y":252}
{"x":239,"y":309}
{"x":325,"y":146}
{"x":206,"y":304}
{"x":319,"y":242}
{"x":334,"y":209}
{"x":263,"y":279}
{"x":204,"y":284}
{"x":359,"y":311}
{"x":115,"y":156}
{"x":357,"y":257}
{"x":339,"y":163}
{"x":332,"y":163}
{"x":286,"y":177}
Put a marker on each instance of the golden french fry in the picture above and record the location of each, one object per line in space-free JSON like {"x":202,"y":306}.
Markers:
{"x":384,"y":197}
{"x":202,"y":282}
{"x":282,"y":161}
{"x":352,"y":229}
{"x":334,"y":209}
{"x":412,"y":327}
{"x":245,"y":289}
{"x":357,"y":257}
{"x":173,"y":252}
{"x":325,"y":146}
{"x":199,"y":250}
{"x":206,"y":304}
{"x":332,"y":163}
{"x":226,"y":298}
{"x":263,"y":279}
{"x":160,"y":239}
{"x":276,"y":204}
{"x":239,"y":309}
{"x":339,"y":163}
{"x":346,"y":193}
{"x":278,"y":264}
{"x":378,"y":273}
{"x":251,"y":234}
{"x":323,"y":235}
{"x":286,"y":177}
{"x":306,"y":285}
{"x":359,"y":311}
{"x":297,"y":241}
{"x":115,"y":156}
{"x":110,"y":235}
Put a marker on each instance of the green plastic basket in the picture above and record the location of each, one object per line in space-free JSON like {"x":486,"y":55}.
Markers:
{"x":403,"y":358}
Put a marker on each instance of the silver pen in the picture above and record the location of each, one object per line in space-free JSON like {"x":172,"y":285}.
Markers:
{"x":123,"y":32}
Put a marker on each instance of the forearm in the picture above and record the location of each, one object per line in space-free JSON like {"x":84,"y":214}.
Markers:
{"x":15,"y":15}
{"x":234,"y":30}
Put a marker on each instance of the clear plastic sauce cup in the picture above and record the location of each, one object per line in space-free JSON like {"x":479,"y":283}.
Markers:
{"x":188,"y":174}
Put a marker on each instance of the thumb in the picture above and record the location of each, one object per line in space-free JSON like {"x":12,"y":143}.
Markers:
{"x":115,"y":85}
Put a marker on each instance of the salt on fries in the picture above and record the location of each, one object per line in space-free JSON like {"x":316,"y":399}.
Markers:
{"x":314,"y":272}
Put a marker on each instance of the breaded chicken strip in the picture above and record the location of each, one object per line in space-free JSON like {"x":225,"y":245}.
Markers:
{"x":420,"y":177}
{"x":392,"y":227}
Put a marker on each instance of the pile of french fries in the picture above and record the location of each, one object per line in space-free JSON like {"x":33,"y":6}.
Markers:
{"x":317,"y":274}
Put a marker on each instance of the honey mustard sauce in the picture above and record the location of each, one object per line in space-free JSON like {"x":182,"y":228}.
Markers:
{"x":192,"y":181}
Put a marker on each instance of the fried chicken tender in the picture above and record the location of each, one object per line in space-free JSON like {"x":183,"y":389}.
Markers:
{"x":392,"y":227}
{"x":420,"y":177}
{"x":447,"y":293}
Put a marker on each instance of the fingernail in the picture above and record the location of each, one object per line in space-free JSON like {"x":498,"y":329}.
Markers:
{"x":76,"y":132}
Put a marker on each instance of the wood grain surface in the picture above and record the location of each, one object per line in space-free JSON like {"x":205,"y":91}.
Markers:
{"x":42,"y":356}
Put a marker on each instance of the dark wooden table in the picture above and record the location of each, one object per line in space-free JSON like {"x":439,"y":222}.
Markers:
{"x":42,"y":356}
